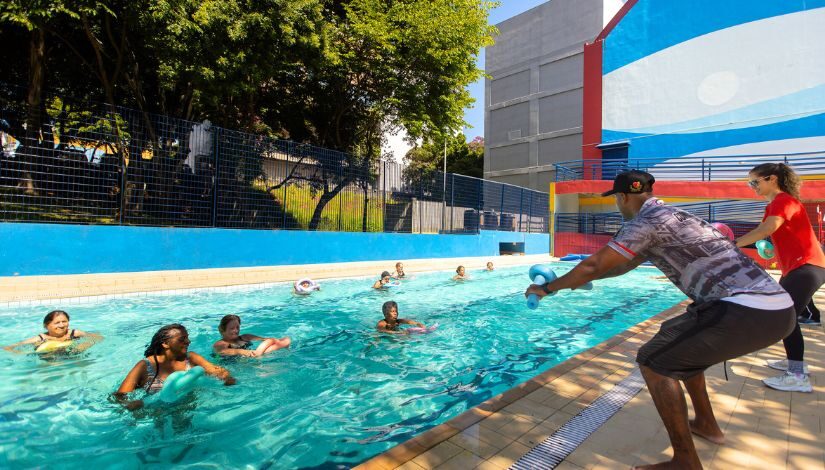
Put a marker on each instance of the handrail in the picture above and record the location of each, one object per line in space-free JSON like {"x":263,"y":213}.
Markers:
{"x":699,"y":168}
{"x":733,"y":213}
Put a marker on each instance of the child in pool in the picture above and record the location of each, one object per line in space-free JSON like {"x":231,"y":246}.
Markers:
{"x":489,"y":265}
{"x":58,"y":336}
{"x":460,"y":274}
{"x":399,"y":271}
{"x":391,"y":322}
{"x":232,"y":343}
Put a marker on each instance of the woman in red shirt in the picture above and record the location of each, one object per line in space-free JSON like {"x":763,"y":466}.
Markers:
{"x":800,"y":258}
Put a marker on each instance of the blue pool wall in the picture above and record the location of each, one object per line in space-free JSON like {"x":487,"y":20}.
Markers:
{"x":45,"y":249}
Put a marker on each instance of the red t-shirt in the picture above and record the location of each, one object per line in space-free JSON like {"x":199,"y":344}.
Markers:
{"x":794,"y":241}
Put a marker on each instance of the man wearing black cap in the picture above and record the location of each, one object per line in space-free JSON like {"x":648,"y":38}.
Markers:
{"x":737,"y":307}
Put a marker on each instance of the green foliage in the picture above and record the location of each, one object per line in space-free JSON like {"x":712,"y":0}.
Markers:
{"x":331,"y":72}
{"x":348,"y":206}
{"x":462,"y":158}
{"x":85,"y":125}
{"x":334,"y":73}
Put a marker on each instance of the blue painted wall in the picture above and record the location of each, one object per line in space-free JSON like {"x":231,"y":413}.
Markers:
{"x":36,"y":249}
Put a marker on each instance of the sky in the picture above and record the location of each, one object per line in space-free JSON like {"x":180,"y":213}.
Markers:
{"x":397,"y":146}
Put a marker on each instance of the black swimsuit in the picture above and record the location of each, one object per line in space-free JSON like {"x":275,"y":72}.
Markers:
{"x":243,"y":345}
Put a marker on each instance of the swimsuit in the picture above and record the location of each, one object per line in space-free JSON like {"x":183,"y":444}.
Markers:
{"x":155,"y":384}
{"x":242,"y":345}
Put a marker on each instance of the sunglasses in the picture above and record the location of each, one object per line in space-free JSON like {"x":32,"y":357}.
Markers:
{"x":755,"y":183}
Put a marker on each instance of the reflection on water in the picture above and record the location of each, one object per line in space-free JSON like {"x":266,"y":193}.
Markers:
{"x":341,"y":394}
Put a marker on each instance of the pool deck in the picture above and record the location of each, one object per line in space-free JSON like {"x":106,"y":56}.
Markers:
{"x":764,"y":428}
{"x":34,"y":290}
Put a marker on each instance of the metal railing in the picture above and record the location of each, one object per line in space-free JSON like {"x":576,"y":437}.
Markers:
{"x":707,"y":168}
{"x":96,"y":164}
{"x":741,"y":217}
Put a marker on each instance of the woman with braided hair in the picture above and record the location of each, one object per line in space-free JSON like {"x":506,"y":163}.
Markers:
{"x":168,"y":352}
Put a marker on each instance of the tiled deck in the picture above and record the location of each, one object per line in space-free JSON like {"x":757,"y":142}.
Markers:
{"x":764,"y":428}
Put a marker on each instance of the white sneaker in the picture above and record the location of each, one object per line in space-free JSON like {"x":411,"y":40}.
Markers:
{"x":783,"y":365}
{"x":788,"y":382}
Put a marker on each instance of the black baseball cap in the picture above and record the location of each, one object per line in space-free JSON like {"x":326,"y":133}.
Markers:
{"x":631,"y":182}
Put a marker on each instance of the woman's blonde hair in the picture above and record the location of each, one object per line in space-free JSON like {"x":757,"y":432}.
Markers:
{"x":786,"y":178}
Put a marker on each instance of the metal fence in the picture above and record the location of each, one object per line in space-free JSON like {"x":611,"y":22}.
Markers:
{"x":741,"y":217}
{"x":100,"y":165}
{"x":597,"y":228}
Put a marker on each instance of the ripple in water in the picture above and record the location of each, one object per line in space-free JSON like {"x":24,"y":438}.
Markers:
{"x":340,"y":395}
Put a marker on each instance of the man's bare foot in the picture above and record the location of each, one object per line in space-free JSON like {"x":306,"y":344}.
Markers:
{"x":670,"y":465}
{"x":708,"y":432}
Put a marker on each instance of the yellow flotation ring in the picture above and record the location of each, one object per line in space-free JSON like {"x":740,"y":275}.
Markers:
{"x":51,"y":346}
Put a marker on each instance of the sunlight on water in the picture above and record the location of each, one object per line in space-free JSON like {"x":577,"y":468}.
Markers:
{"x":340,"y":395}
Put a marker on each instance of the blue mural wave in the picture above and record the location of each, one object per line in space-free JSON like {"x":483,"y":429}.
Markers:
{"x":649,"y":27}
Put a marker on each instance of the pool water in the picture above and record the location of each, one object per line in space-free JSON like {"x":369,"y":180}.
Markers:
{"x":343,"y":392}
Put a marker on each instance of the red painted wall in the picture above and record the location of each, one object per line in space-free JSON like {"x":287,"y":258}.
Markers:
{"x":592,"y":106}
{"x":565,"y":243}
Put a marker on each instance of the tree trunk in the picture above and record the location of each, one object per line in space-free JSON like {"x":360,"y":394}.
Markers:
{"x":366,"y":205}
{"x":34,"y":102}
{"x":322,"y":203}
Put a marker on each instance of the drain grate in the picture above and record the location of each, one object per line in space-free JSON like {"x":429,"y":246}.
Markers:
{"x":553,"y":450}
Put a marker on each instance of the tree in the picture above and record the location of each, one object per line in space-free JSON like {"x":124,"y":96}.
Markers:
{"x":463,"y":158}
{"x":332,"y":73}
{"x":38,"y":17}
{"x":393,"y":64}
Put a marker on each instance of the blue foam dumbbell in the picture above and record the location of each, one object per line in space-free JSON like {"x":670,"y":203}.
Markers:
{"x":541,"y":274}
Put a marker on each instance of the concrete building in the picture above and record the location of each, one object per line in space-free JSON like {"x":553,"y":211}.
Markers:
{"x":533,"y":100}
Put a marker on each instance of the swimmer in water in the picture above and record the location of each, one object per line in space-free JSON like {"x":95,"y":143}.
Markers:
{"x":58,"y":337}
{"x":461,"y":274}
{"x":168,"y":352}
{"x":399,"y":271}
{"x":305,"y":286}
{"x":233,"y":343}
{"x":391,"y":322}
{"x":385,"y":279}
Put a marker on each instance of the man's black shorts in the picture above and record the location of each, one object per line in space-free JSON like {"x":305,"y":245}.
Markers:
{"x":712,"y":333}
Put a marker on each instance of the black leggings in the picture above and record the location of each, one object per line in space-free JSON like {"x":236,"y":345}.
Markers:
{"x":801,"y":283}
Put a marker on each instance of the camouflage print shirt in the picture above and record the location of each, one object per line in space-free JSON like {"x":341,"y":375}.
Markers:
{"x":697,"y":258}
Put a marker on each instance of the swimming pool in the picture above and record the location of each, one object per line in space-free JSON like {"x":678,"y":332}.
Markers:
{"x":340,"y":395}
